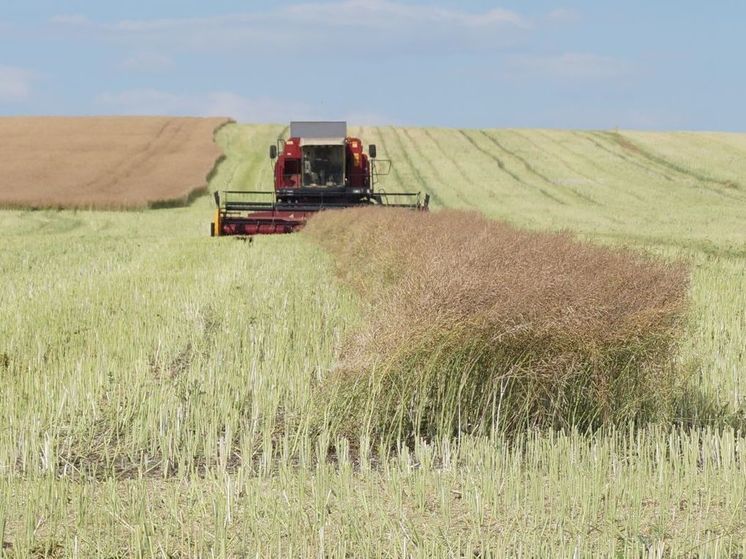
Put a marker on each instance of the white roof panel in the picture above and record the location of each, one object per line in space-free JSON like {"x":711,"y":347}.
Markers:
{"x":322,"y":141}
{"x":318,"y":129}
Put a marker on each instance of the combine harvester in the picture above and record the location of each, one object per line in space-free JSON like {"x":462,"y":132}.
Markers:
{"x":318,"y":168}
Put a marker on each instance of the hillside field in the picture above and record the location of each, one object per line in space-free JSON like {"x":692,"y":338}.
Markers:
{"x":156,"y":384}
{"x":105,"y":162}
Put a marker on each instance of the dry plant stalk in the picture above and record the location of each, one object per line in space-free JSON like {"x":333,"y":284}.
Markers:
{"x":475,"y":325}
{"x":105,"y":162}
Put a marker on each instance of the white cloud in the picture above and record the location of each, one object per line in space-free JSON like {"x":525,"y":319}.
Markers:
{"x":15,"y":83}
{"x":563,"y":15}
{"x":215,"y":103}
{"x":148,"y":102}
{"x":363,"y":25}
{"x":385,"y":13}
{"x":147,"y":62}
{"x":260,"y":109}
{"x":225,"y":103}
{"x":568,"y":66}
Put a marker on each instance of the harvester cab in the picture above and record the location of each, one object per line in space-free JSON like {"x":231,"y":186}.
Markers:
{"x":318,"y":167}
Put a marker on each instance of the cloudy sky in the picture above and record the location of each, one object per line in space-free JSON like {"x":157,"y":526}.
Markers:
{"x":660,"y":64}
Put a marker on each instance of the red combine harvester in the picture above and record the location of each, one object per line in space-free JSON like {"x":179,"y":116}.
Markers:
{"x":318,"y":168}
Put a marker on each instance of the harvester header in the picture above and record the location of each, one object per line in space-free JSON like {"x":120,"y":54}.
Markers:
{"x":319,"y":167}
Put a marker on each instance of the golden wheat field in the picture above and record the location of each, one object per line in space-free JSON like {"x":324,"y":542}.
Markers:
{"x":104,"y":162}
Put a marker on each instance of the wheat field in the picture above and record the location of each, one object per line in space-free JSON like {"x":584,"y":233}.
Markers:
{"x":156,"y":385}
{"x":105,"y":162}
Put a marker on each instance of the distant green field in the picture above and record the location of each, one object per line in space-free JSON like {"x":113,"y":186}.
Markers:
{"x":155,"y":384}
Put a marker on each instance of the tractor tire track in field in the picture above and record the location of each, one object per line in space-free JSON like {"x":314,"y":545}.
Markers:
{"x":503,"y":168}
{"x":56,"y":223}
{"x":169,"y":137}
{"x":109,"y":163}
{"x":126,"y":166}
{"x":423,"y":156}
{"x":147,"y":155}
{"x":408,"y":161}
{"x":650,"y":167}
{"x":589,"y":136}
{"x":530,"y":168}
{"x":394,"y":171}
{"x":590,"y":161}
{"x":593,"y":162}
{"x":643,"y":153}
{"x":592,"y":138}
{"x":465,"y":172}
{"x":549,"y":181}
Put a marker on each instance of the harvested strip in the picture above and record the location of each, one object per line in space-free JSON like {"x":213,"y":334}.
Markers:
{"x":105,"y":162}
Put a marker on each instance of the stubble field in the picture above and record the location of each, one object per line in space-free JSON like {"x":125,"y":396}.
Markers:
{"x":157,"y":385}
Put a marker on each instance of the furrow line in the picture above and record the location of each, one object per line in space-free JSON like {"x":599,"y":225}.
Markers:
{"x":503,"y":168}
{"x":591,"y":137}
{"x":577,"y":194}
{"x":425,"y":157}
{"x":631,"y":146}
{"x":408,"y":161}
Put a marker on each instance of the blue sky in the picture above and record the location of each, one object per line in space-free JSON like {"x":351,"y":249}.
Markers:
{"x":575,"y":64}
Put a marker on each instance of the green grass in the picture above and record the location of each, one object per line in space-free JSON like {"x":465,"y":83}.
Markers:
{"x":155,"y":384}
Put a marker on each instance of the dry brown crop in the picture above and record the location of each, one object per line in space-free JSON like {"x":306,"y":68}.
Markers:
{"x":475,"y":324}
{"x":104,"y":162}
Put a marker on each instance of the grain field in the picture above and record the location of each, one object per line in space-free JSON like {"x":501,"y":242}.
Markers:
{"x":105,"y":162}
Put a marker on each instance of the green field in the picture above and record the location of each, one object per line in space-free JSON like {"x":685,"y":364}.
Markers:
{"x":155,"y":384}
